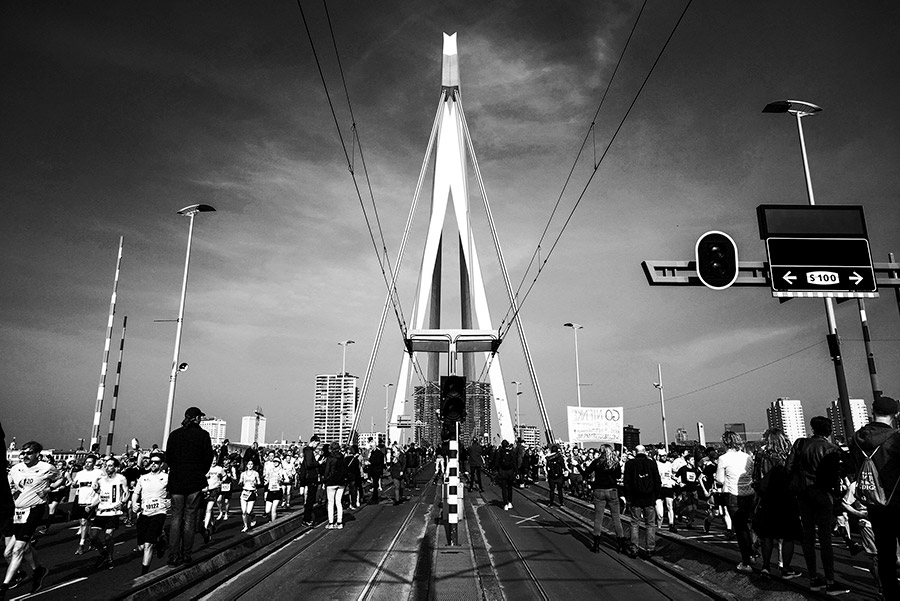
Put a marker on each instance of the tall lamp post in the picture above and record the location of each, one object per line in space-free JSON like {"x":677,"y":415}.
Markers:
{"x":190,"y":211}
{"x":575,"y":327}
{"x":387,"y":388}
{"x":800,"y":109}
{"x":662,"y":405}
{"x":518,"y":392}
{"x":344,"y":344}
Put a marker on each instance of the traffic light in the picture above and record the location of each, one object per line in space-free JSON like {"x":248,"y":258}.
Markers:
{"x":453,"y":398}
{"x":717,"y":260}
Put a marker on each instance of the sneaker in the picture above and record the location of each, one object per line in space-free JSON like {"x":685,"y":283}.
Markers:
{"x":244,"y":529}
{"x":765,"y":572}
{"x":37,"y":578}
{"x":817,"y":583}
{"x":79,"y":550}
{"x":187,"y":560}
{"x":833,"y":589}
{"x":746,"y":568}
{"x":329,"y":526}
{"x":339,"y":526}
{"x":18,"y":579}
{"x":174,"y":561}
{"x":789,"y":574}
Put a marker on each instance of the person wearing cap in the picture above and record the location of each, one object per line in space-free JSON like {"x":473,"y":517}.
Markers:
{"x":150,"y":502}
{"x":189,"y":453}
{"x":880,"y":441}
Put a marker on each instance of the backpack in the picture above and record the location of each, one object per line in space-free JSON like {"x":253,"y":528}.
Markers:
{"x":339,"y":476}
{"x":868,"y":483}
{"x":555,"y":468}
{"x":643,"y":480}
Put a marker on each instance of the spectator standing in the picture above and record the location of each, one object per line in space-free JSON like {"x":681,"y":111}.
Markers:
{"x":556,"y":475}
{"x":335,"y":479}
{"x":309,"y":475}
{"x":734,"y":474}
{"x":353,"y":461}
{"x":814,"y":468}
{"x":506,"y":472}
{"x":398,"y":470}
{"x":376,"y":471}
{"x":189,"y":454}
{"x":642,"y":487}
{"x":777,"y":517}
{"x":476,"y":463}
{"x":880,"y":441}
{"x":605,"y":471}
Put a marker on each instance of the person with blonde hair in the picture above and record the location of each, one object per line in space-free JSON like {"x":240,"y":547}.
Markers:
{"x":606,"y":470}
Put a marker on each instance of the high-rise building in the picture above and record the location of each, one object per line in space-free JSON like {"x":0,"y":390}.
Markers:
{"x":253,"y":429}
{"x":859,"y":415}
{"x":427,"y":405}
{"x":787,"y":414}
{"x":631,"y":437}
{"x":530,"y":435}
{"x":478,"y":412}
{"x":215,"y":427}
{"x":336,"y":402}
{"x":737,"y":428}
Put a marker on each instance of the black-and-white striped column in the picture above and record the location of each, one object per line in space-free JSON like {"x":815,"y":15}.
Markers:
{"x":101,"y":389}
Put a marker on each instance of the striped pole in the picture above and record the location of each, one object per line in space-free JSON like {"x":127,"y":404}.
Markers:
{"x":101,"y":389}
{"x":115,"y":399}
{"x":452,"y":488}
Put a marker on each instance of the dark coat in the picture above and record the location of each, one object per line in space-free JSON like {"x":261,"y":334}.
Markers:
{"x":818,"y":462}
{"x":376,"y":463}
{"x":475,"y":459}
{"x":398,"y":467}
{"x":636,"y":466}
{"x":189,"y":454}
{"x":311,"y":466}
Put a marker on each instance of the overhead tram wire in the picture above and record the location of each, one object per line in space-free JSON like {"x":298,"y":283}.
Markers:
{"x":381,"y":260}
{"x":597,"y":165}
{"x":734,"y":377}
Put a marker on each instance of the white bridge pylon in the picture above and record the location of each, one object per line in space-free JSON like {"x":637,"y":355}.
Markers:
{"x":450,"y":185}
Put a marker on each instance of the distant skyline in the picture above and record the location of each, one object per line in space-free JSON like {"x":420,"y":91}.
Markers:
{"x":117,"y":115}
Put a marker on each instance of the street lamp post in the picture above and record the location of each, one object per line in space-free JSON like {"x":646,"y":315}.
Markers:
{"x":344,"y":344}
{"x":387,"y":388}
{"x":662,"y":405}
{"x":575,"y":327}
{"x":518,"y":392}
{"x":190,"y":211}
{"x":800,"y":109}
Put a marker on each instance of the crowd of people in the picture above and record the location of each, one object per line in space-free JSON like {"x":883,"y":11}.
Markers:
{"x":770,"y":494}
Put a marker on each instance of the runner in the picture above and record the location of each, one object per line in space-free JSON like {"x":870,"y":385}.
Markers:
{"x":59,"y":491}
{"x":85,"y":481}
{"x":249,"y":481}
{"x":150,"y":502}
{"x":30,"y":484}
{"x":112,"y":489}
{"x":211,"y":495}
{"x":229,"y":481}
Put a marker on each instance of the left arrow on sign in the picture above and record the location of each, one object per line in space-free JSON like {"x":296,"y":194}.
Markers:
{"x":789,"y":278}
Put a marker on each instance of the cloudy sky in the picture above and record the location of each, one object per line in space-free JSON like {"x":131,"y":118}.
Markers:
{"x":116,"y":115}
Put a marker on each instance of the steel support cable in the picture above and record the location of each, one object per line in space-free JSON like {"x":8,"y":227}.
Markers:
{"x":603,"y":156}
{"x":393,"y":288}
{"x":591,"y":132}
{"x":384,"y":275}
{"x":734,"y":377}
{"x":532,"y":373}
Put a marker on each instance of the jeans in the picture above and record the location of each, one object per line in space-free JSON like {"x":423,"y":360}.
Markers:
{"x":817,"y":517}
{"x":556,"y":485}
{"x":355,"y":488}
{"x":312,"y":488}
{"x":398,"y":489}
{"x":335,"y":495}
{"x":184,"y":523}
{"x":647,"y":515}
{"x":603,"y":498}
{"x":475,"y":480}
{"x":506,"y":486}
{"x":740,"y":508}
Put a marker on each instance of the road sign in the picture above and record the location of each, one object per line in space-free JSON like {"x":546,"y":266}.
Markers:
{"x":821,"y":267}
{"x":404,"y":421}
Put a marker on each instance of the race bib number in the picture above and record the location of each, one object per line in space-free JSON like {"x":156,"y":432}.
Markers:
{"x":246,"y":495}
{"x":226,"y":486}
{"x":151,"y":505}
{"x":21,"y":515}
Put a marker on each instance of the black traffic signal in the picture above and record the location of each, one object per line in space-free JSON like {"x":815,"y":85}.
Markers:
{"x":717,"y":260}
{"x":453,"y":398}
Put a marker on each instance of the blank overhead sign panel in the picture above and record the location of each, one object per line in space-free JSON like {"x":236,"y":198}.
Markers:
{"x":817,"y":251}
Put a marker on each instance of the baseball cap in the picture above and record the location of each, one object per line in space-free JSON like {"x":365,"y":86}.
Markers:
{"x":885,"y":405}
{"x":193,"y":412}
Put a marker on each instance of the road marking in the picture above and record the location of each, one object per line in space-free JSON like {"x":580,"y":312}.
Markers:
{"x":52,"y":588}
{"x":523,"y":519}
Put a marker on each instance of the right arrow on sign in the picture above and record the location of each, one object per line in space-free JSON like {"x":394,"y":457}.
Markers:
{"x":789,"y":278}
{"x":856,"y":278}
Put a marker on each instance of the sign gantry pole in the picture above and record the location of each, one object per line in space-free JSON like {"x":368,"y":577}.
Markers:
{"x":104,"y":366}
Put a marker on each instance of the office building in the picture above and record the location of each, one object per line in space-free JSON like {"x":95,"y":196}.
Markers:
{"x":787,"y":414}
{"x":336,"y":403}
{"x":253,"y":429}
{"x":631,"y":437}
{"x":530,"y":435}
{"x":216,"y":429}
{"x":859,"y":414}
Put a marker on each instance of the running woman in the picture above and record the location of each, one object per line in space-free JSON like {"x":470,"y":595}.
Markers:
{"x":85,"y":481}
{"x":249,"y":481}
{"x":229,"y":481}
{"x":211,"y":495}
{"x":30,"y":484}
{"x":150,"y":502}
{"x":112,"y":489}
{"x":275,"y":477}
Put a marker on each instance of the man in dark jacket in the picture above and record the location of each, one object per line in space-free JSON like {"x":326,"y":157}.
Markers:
{"x":643,"y":485}
{"x":310,"y":469}
{"x":880,"y":441}
{"x":814,"y":465}
{"x":376,"y":471}
{"x":475,"y":464}
{"x":189,"y":454}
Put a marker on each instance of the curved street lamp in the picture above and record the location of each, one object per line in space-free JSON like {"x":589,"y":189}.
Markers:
{"x":189,"y":211}
{"x":344,"y":344}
